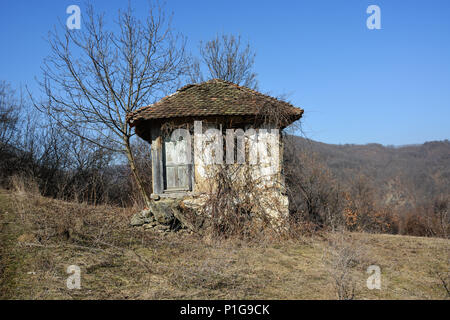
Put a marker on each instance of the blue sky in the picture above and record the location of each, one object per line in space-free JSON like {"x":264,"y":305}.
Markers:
{"x":389,"y":86}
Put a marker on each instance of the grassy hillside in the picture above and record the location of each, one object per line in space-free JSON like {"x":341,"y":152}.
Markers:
{"x":41,"y":237}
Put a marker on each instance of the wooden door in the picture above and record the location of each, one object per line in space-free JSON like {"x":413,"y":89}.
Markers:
{"x":177,"y":172}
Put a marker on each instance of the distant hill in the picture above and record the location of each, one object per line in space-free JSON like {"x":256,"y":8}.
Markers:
{"x":417,"y":171}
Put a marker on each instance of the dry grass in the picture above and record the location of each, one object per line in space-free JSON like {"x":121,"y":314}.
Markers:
{"x":40,"y":238}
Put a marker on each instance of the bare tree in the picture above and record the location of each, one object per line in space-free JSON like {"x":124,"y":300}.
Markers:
{"x":226,"y":58}
{"x":95,"y":76}
{"x":10,"y":108}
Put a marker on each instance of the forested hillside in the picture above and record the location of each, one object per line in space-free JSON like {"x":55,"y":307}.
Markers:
{"x":371,"y":187}
{"x":421,"y":171}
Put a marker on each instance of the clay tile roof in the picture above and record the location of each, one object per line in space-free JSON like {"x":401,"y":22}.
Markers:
{"x":211,"y":98}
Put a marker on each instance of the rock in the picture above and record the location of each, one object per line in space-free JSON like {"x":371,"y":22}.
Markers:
{"x":194,"y":203}
{"x":143,"y":217}
{"x":155,"y":197}
{"x":136,"y":220}
{"x":163,"y":210}
{"x":168,"y":214}
{"x":150,"y":225}
{"x":162,"y":228}
{"x":159,"y":212}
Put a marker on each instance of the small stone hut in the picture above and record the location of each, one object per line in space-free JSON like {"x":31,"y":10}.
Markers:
{"x":203,"y":126}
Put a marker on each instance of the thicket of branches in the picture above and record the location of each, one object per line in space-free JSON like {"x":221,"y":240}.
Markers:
{"x":358,"y":200}
{"x":38,"y":153}
{"x":225,"y":57}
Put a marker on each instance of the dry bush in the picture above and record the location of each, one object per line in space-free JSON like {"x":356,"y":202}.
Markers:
{"x":23,"y":184}
{"x":26,"y":191}
{"x":438,"y":217}
{"x":364,"y":212}
{"x":314,"y":195}
{"x":414,"y":223}
{"x":429,"y":219}
{"x":341,"y":257}
{"x":233,"y":209}
{"x":300,"y":228}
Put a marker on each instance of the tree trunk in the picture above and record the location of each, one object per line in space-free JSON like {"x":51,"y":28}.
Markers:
{"x":133,"y":168}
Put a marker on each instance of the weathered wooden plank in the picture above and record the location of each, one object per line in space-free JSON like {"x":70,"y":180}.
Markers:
{"x":157,"y":161}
